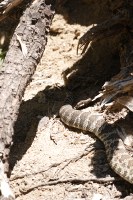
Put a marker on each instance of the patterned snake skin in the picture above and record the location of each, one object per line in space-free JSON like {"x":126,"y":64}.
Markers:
{"x":117,"y":155}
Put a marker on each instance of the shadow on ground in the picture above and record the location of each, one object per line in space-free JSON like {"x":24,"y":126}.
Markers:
{"x":84,"y":12}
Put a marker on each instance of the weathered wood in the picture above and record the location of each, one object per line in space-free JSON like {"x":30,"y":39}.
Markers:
{"x":25,"y":51}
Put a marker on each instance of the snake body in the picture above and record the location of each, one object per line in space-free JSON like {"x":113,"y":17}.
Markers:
{"x":117,"y":155}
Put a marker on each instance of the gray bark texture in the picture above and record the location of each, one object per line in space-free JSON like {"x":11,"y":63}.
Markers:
{"x":25,"y":51}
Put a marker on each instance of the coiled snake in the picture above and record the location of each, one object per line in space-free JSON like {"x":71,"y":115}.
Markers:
{"x":117,"y":155}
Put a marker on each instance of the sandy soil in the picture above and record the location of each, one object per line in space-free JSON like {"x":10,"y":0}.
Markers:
{"x":49,"y":160}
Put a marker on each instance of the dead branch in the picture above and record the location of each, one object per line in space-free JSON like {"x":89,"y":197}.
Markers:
{"x":118,"y":23}
{"x":25,"y":51}
{"x":6,"y":6}
{"x":122,"y":83}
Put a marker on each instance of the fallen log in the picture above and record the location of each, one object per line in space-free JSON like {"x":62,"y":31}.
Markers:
{"x":25,"y":51}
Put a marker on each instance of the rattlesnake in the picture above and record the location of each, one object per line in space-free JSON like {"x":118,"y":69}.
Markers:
{"x":117,"y":155}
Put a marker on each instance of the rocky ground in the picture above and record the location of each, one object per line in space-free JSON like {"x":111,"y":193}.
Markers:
{"x":49,"y":160}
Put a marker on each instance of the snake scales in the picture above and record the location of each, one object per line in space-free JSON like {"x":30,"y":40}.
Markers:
{"x":117,"y":155}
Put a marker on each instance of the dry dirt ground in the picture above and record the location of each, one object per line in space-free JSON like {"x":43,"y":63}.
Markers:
{"x":49,"y":160}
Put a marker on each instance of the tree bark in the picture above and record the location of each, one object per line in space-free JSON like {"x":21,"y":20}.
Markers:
{"x":25,"y":51}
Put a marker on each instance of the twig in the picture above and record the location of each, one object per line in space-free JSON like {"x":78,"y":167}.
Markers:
{"x":69,"y":180}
